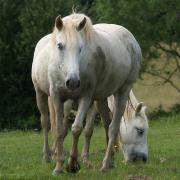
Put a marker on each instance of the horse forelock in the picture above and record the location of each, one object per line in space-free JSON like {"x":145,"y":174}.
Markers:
{"x":130,"y":109}
{"x":70,"y":24}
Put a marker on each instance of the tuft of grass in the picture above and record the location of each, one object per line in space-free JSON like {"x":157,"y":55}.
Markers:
{"x":21,"y":156}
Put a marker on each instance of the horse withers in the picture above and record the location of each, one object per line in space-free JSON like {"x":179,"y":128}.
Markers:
{"x":84,"y":62}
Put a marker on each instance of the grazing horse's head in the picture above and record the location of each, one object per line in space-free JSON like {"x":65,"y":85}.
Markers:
{"x":69,"y":36}
{"x":134,"y":135}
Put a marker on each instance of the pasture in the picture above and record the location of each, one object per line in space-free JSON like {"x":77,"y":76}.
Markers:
{"x":20,"y":155}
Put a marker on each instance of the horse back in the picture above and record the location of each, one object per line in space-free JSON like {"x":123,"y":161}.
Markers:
{"x":121,"y":57}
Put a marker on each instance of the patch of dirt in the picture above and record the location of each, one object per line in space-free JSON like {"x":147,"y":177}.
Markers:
{"x":137,"y":177}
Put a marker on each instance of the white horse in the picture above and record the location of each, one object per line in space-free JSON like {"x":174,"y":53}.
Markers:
{"x":84,"y":62}
{"x":133,"y":128}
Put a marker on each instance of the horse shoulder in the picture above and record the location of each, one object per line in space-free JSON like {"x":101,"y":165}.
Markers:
{"x":40,"y":63}
{"x":41,"y":44}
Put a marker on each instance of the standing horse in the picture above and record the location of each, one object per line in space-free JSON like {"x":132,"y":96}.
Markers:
{"x":84,"y":62}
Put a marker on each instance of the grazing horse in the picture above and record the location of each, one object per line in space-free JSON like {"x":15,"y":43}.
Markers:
{"x":133,"y":128}
{"x":84,"y":62}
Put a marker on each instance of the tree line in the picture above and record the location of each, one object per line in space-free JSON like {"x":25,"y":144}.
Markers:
{"x":154,"y":23}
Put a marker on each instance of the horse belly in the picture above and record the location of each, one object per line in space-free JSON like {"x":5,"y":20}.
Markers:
{"x":109,"y":87}
{"x":113,"y":77}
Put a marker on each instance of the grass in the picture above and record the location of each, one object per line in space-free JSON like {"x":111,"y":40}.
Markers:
{"x":20,"y":156}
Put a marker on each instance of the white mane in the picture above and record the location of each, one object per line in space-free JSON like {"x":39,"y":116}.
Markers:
{"x":70,"y":24}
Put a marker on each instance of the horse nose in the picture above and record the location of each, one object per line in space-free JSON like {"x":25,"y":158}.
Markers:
{"x":73,"y":83}
{"x":138,"y":157}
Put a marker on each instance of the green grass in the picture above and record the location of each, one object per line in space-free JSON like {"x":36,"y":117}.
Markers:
{"x":20,"y":156}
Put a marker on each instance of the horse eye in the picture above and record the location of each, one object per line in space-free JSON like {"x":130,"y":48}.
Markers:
{"x":60,"y":46}
{"x":140,"y":131}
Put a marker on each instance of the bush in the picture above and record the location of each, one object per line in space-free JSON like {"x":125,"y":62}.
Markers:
{"x":160,"y":112}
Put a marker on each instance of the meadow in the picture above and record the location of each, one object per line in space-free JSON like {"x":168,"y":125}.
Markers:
{"x":21,"y":155}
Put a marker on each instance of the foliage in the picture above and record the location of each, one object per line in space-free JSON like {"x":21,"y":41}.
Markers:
{"x":160,"y":112}
{"x":23,"y":22}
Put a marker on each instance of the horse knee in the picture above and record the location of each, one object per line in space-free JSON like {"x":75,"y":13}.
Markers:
{"x":76,"y":129}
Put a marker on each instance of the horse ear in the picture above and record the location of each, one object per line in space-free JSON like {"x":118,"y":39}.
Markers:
{"x":81,"y":24}
{"x":59,"y":22}
{"x":139,"y":108}
{"x":144,"y":108}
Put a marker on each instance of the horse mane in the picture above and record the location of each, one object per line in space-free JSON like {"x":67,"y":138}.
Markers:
{"x":130,"y":107}
{"x":71,"y":22}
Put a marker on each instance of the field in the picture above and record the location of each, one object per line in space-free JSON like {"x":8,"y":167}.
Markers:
{"x":154,"y":95}
{"x":20,"y":156}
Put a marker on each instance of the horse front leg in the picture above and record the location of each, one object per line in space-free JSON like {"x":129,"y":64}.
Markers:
{"x":59,"y":128}
{"x":42,"y":103}
{"x":120,"y":99}
{"x":84,"y":103}
{"x":88,"y":131}
{"x":67,"y":110}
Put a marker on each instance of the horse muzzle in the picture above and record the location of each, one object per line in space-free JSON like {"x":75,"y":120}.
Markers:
{"x":72,"y":83}
{"x":136,"y":156}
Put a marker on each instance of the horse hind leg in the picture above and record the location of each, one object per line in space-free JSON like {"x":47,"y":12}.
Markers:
{"x":68,"y":105}
{"x":42,"y":103}
{"x":106,"y":117}
{"x":88,"y":131}
{"x":120,"y":99}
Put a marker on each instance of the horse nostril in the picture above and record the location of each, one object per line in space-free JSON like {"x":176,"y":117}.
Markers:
{"x":78,"y":83}
{"x":134,"y":157}
{"x":138,"y":156}
{"x":73,"y":83}
{"x":144,"y":158}
{"x":68,"y":83}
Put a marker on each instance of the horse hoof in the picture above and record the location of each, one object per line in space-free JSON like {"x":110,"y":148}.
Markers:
{"x":46,"y":159}
{"x":73,"y":167}
{"x":111,"y":165}
{"x":105,"y":168}
{"x":56,"y":172}
{"x":87,"y":163}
